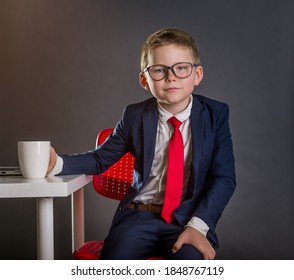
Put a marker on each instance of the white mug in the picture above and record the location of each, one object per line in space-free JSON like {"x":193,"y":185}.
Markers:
{"x":33,"y":157}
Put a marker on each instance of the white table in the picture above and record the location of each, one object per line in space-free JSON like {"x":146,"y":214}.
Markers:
{"x":44,"y":190}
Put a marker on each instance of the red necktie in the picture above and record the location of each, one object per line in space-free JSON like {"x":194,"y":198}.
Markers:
{"x":175,"y":172}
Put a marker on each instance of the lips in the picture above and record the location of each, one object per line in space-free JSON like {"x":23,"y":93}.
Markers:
{"x":171,"y":89}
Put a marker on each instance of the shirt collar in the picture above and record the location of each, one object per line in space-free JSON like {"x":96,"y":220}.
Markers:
{"x":182,"y":116}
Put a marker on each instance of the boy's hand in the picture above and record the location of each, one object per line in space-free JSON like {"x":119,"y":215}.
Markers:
{"x":195,"y":238}
{"x":52,"y":160}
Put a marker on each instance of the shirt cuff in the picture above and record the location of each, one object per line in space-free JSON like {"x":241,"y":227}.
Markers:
{"x":57,"y":168}
{"x":199,"y":225}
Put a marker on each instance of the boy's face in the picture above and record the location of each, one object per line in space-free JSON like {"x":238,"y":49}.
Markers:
{"x":173,"y":93}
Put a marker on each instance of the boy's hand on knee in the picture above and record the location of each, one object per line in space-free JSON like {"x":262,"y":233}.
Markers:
{"x":195,"y":238}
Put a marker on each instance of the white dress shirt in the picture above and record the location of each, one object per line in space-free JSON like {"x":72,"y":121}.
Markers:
{"x":153,"y":191}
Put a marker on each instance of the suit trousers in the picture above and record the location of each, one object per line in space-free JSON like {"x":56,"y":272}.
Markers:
{"x":139,"y":234}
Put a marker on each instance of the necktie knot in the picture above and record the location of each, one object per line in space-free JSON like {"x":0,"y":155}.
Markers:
{"x":175,"y":122}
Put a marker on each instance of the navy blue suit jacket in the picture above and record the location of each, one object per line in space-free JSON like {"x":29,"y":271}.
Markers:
{"x":212,"y":177}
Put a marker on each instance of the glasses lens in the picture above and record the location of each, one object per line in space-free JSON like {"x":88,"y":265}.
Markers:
{"x":182,"y":70}
{"x":157,"y":72}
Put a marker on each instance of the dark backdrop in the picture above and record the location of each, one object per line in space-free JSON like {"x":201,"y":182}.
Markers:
{"x":68,"y":68}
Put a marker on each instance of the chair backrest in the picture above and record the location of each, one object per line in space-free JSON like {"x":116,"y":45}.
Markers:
{"x":116,"y":180}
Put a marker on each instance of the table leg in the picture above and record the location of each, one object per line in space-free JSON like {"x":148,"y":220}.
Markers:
{"x":78,"y":224}
{"x":45,"y":229}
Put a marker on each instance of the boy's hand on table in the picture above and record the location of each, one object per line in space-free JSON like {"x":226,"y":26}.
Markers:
{"x":52,"y":160}
{"x":195,"y":238}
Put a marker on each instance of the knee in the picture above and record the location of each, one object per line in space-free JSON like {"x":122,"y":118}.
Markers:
{"x":187,"y":252}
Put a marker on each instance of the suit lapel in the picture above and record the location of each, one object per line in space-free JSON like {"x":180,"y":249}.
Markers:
{"x":197,"y":130}
{"x":150,"y":122}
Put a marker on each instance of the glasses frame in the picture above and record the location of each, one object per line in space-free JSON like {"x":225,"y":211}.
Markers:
{"x":170,"y":68}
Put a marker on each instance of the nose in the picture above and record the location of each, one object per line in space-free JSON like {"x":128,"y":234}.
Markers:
{"x":170,"y":75}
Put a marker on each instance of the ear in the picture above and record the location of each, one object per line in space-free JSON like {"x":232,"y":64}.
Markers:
{"x":198,"y":75}
{"x":143,"y":81}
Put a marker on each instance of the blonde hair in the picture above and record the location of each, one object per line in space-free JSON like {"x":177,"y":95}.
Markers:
{"x":165,"y":37}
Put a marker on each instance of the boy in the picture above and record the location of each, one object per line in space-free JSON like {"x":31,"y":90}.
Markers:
{"x":197,"y":169}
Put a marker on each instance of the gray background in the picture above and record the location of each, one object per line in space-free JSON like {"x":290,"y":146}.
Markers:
{"x":68,"y":68}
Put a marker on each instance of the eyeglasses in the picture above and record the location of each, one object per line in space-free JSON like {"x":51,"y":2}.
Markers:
{"x":181,"y":70}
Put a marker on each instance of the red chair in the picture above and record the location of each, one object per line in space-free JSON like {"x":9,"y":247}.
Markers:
{"x":113,"y":183}
{"x":117,"y":179}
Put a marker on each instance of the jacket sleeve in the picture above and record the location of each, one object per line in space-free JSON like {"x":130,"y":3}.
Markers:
{"x":220,"y":184}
